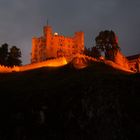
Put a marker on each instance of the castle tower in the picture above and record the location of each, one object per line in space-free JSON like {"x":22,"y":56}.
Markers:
{"x":79,"y":42}
{"x":34,"y":50}
{"x":47,"y":32}
{"x":48,"y":37}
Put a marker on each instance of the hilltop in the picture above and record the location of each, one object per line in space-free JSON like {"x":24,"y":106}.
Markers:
{"x":96,"y":102}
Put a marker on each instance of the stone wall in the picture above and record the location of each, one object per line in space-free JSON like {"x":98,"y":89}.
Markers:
{"x":121,"y":60}
{"x":49,"y":63}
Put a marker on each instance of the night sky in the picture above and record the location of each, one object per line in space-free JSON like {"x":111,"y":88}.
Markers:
{"x":20,"y":20}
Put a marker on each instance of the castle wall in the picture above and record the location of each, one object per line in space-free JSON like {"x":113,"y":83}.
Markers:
{"x":49,"y":63}
{"x":38,"y":49}
{"x":121,"y":60}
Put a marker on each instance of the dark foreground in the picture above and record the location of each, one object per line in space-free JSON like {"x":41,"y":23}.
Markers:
{"x":96,"y":103}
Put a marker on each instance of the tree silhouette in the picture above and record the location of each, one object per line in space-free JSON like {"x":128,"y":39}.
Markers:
{"x":87,"y":51}
{"x":3,"y":54}
{"x":107,"y":42}
{"x":14,"y":55}
{"x":10,"y":58}
{"x":95,"y":52}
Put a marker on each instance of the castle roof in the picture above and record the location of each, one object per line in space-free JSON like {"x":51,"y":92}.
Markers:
{"x":136,"y":56}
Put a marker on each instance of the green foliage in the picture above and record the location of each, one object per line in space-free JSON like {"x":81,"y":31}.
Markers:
{"x":10,"y":58}
{"x":107,"y":42}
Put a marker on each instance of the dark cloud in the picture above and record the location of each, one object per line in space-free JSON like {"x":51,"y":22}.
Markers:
{"x":20,"y":20}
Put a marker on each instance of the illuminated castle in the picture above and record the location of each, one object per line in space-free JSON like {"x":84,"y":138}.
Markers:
{"x":51,"y":45}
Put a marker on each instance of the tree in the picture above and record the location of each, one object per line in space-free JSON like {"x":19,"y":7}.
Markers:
{"x":95,"y":52}
{"x":10,"y":58}
{"x":3,"y":54}
{"x":14,"y":55}
{"x":107,"y":42}
{"x":87,"y":51}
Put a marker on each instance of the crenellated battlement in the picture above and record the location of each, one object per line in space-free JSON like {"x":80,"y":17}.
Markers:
{"x":6,"y":69}
{"x":49,"y":63}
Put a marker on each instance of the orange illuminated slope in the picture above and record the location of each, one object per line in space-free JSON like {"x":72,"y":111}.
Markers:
{"x":78,"y":61}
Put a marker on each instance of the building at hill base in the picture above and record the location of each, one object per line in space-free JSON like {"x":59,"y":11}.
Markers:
{"x":134,"y":62}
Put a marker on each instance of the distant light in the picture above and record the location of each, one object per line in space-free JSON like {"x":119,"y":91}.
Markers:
{"x":55,"y":33}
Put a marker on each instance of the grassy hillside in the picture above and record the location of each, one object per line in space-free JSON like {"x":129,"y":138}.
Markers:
{"x":97,"y":102}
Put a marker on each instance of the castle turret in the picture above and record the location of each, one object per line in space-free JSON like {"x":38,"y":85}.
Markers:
{"x":79,"y":42}
{"x":48,"y":36}
{"x":34,"y":49}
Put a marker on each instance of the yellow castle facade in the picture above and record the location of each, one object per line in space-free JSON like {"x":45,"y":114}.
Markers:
{"x":52,"y":45}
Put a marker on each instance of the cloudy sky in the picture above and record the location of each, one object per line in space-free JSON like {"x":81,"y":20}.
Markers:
{"x":20,"y":20}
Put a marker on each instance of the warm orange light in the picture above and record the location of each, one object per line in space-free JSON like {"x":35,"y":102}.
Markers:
{"x":50,"y":63}
{"x":53,"y":45}
{"x":5,"y":69}
{"x":79,"y":61}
